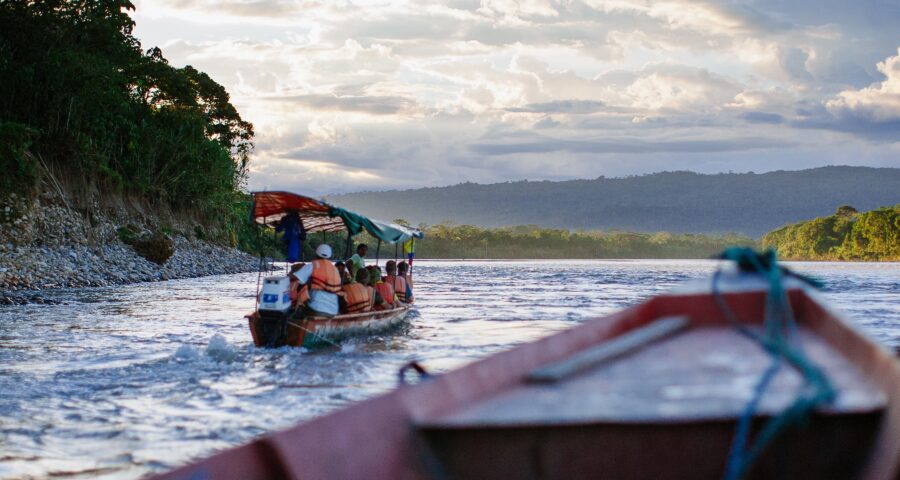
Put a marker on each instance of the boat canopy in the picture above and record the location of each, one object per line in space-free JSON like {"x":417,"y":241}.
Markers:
{"x":318,"y":216}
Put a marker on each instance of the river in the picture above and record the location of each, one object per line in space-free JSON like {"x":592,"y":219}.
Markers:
{"x":118,"y":382}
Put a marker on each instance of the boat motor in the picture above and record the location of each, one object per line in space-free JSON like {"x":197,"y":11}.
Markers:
{"x":274,"y":310}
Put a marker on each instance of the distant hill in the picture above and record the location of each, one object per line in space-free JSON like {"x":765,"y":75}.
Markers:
{"x":678,"y":202}
{"x":846,"y":235}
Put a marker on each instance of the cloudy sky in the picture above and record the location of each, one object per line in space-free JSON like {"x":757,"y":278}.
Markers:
{"x":373,"y":95}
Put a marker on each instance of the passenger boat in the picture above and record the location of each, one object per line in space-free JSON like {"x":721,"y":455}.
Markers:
{"x":659,"y":390}
{"x":273,"y":323}
{"x":313,"y":331}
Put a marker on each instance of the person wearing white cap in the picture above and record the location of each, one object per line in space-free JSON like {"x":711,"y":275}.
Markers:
{"x":322,"y":283}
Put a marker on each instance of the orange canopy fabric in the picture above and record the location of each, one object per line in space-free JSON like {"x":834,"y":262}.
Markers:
{"x":317,"y":216}
{"x":269,"y":207}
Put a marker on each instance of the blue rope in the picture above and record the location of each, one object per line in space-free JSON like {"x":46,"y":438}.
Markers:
{"x":780,"y":340}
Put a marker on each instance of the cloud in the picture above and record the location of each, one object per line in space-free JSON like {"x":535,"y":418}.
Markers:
{"x":878,"y":103}
{"x":872,"y":112}
{"x":372,"y":105}
{"x":762,"y":117}
{"x":627,"y":146}
{"x":561,"y":106}
{"x":378,"y":94}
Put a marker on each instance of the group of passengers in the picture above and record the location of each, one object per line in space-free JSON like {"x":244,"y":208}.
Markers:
{"x":323,"y":288}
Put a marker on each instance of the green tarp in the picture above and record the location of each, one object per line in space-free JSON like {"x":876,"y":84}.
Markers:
{"x":386,"y":232}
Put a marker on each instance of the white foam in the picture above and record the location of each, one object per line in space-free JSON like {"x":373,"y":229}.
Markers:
{"x":186,"y":352}
{"x":219,"y":349}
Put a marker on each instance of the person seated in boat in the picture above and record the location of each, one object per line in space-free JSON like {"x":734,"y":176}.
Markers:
{"x":321,"y":284}
{"x":403,"y":271}
{"x":358,"y":295}
{"x":358,"y":260}
{"x":372,"y":274}
{"x":396,"y":281}
{"x":295,"y":285}
{"x":385,"y":290}
{"x":342,"y":269}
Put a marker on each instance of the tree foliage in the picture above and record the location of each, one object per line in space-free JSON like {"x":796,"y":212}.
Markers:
{"x":846,"y":235}
{"x":528,"y":241}
{"x":95,"y":104}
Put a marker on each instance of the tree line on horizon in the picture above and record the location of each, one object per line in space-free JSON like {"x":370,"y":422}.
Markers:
{"x":846,"y":235}
{"x":678,"y":202}
{"x":529,"y":241}
{"x":449,"y":241}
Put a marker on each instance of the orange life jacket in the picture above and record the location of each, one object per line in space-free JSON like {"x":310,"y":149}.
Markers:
{"x":386,"y":291}
{"x":325,"y":276}
{"x":399,"y":284}
{"x":359,"y":297}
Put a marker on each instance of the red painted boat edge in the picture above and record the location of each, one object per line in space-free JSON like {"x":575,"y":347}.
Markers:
{"x":383,"y":426}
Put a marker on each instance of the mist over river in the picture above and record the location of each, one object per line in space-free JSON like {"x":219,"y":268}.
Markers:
{"x":121,"y":381}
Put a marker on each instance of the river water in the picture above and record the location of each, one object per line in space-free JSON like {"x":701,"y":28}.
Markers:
{"x":119,"y":382}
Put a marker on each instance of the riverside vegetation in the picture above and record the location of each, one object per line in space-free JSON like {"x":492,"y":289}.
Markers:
{"x":79,"y":98}
{"x":467,"y":241}
{"x":846,"y":235}
{"x":108,"y":151}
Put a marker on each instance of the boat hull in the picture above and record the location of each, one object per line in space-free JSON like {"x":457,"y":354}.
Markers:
{"x":407,"y":434}
{"x":831,"y":447}
{"x":277,"y":331}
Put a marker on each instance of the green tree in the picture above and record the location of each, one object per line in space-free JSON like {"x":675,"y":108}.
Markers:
{"x":95,"y":106}
{"x":846,"y":235}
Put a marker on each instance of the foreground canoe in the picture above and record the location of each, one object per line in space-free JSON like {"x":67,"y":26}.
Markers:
{"x":312,"y":331}
{"x":653,"y":391}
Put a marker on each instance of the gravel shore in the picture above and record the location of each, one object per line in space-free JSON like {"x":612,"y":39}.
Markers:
{"x":50,"y":246}
{"x":26,"y":271}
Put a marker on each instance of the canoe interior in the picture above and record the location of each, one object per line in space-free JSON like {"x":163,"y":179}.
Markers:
{"x":677,"y":391}
{"x":829,"y":448}
{"x":409,"y":433}
{"x":676,"y":380}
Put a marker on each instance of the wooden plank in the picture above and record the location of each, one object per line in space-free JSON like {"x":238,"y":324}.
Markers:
{"x":614,"y":348}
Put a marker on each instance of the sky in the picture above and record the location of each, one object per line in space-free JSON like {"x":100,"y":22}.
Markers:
{"x":379,"y":95}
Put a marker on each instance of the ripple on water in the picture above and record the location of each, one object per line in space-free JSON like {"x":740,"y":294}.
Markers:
{"x":122,"y":381}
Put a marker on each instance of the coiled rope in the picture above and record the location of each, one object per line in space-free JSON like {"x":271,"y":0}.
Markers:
{"x":781,"y":341}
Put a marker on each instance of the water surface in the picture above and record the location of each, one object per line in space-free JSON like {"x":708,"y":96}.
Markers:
{"x":119,"y":382}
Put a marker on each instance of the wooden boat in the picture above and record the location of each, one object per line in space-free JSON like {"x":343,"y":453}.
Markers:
{"x":273,"y":323}
{"x":312,"y":331}
{"x":640,"y":394}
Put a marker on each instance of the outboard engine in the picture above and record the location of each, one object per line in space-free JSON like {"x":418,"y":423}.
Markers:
{"x":274,"y":311}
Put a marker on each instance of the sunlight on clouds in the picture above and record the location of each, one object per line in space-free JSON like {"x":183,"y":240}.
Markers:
{"x":517,"y":9}
{"x":318,"y":177}
{"x":321,"y":132}
{"x":879,"y":102}
{"x":390,"y":94}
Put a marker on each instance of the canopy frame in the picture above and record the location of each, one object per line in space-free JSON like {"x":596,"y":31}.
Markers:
{"x":319,"y":216}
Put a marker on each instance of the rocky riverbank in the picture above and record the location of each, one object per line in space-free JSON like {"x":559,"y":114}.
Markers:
{"x":26,"y":271}
{"x":48,"y":244}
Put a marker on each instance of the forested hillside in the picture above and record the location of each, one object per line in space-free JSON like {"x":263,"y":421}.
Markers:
{"x":85,"y":110}
{"x":679,"y":202}
{"x":846,"y":235}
